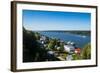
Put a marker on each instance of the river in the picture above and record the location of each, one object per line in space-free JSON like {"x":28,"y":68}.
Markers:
{"x":79,"y":40}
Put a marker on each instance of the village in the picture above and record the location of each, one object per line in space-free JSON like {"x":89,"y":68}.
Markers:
{"x":58,"y":49}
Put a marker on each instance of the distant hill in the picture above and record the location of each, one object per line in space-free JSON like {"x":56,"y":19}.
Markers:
{"x":78,"y":32}
{"x":83,"y":33}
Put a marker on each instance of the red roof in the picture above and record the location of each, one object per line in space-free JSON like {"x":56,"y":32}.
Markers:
{"x":78,"y":50}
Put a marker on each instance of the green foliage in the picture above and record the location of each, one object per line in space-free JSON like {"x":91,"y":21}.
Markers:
{"x":37,"y":35}
{"x":86,"y":52}
{"x":76,"y":56}
{"x":55,"y":42}
{"x":52,"y":44}
{"x":32,"y":51}
{"x":61,"y":47}
{"x":63,"y":55}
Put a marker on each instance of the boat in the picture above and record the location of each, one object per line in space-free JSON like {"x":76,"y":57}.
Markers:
{"x":84,"y":36}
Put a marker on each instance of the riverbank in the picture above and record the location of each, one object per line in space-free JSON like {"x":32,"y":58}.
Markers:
{"x":58,"y":48}
{"x":38,"y":47}
{"x":80,"y":41}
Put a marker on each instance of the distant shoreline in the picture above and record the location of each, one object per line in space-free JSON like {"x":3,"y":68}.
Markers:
{"x":62,"y":30}
{"x":81,"y":33}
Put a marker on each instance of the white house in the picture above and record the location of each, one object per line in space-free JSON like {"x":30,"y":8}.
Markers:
{"x":43,"y":38}
{"x":69,"y":48}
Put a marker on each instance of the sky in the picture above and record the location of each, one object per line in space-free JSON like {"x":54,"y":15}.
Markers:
{"x":54,"y":20}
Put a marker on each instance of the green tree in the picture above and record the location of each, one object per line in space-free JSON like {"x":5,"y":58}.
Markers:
{"x":32,"y":51}
{"x":86,"y":52}
{"x":76,"y":56}
{"x":37,"y":35}
{"x":52,"y":44}
{"x":61,"y":47}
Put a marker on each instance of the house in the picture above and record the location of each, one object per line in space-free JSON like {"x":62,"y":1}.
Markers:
{"x":43,"y":39}
{"x":77,"y":50}
{"x":69,"y":48}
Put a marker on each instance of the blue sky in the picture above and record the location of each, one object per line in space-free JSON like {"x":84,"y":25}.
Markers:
{"x":53,"y":20}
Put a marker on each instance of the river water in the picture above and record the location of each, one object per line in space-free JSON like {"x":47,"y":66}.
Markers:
{"x":79,"y":40}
